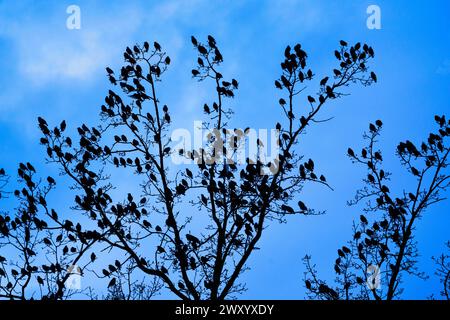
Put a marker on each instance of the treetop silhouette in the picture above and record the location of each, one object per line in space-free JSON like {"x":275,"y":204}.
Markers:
{"x":190,"y":230}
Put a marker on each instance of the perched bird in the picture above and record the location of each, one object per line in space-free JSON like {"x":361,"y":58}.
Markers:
{"x":363,"y":219}
{"x":302,"y":206}
{"x":324,"y":81}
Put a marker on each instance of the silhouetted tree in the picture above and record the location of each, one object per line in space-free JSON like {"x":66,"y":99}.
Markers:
{"x":383,"y":241}
{"x":195,"y":228}
{"x":443,"y":272}
{"x":40,"y":247}
{"x":123,"y":286}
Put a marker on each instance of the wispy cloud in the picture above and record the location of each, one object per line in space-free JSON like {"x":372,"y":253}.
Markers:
{"x":46,"y":51}
{"x":49,"y":52}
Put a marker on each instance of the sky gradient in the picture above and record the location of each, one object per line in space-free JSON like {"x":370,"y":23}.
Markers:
{"x":56,"y":73}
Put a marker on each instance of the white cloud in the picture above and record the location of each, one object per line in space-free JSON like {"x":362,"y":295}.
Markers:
{"x":46,"y":51}
{"x":61,"y":58}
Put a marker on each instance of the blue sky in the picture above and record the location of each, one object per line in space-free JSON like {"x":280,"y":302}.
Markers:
{"x":50,"y":71}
